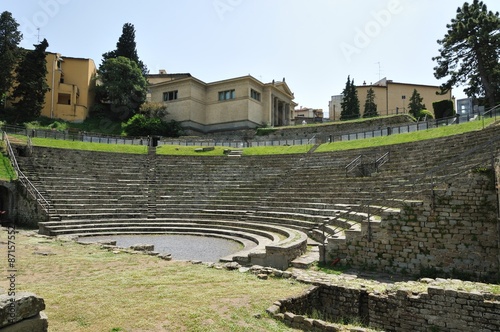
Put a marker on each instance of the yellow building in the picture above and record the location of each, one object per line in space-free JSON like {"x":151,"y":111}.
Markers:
{"x":391,"y":97}
{"x":71,"y":82}
{"x":232,"y":104}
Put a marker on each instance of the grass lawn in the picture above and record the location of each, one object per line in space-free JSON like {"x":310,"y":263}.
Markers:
{"x":405,"y":138}
{"x":87,"y":146}
{"x":86,"y":288}
{"x":6,"y":170}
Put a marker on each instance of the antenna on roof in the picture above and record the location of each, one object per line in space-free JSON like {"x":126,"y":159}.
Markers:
{"x":38,"y":35}
{"x":379,"y":70}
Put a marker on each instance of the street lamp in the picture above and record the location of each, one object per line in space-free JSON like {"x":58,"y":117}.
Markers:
{"x":403,"y":97}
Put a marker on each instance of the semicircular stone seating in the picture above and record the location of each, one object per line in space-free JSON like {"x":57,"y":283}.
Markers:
{"x":273,"y":205}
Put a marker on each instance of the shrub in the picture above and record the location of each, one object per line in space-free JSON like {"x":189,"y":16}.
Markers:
{"x":425,"y":113}
{"x":265,"y":131}
{"x":443,"y":109}
{"x":140,"y":125}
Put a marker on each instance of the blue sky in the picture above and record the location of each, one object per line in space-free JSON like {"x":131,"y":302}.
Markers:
{"x":314,"y":44}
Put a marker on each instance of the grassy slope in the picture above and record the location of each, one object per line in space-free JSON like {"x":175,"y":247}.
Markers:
{"x":405,"y":138}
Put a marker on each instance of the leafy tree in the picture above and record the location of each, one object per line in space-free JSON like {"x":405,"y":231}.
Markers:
{"x":415,"y":105}
{"x":10,"y":37}
{"x":32,"y":86}
{"x":126,"y":47}
{"x":122,"y":87}
{"x":350,"y":101}
{"x":370,"y":106}
{"x":469,"y":52}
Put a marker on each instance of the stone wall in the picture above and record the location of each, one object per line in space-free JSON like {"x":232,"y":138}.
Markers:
{"x":336,"y":129}
{"x":22,"y":312}
{"x":452,"y":233}
{"x":27,"y":213}
{"x":437,"y":309}
{"x":281,"y":256}
{"x":323,"y":132}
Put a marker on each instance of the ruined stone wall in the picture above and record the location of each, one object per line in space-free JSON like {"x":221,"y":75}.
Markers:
{"x":437,"y":309}
{"x":28,"y":213}
{"x":454,"y":233}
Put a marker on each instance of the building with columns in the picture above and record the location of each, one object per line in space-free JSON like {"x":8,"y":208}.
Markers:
{"x":232,"y":104}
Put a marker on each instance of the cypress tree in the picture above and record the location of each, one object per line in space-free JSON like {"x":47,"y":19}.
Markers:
{"x":350,"y":101}
{"x":370,"y":106}
{"x":31,"y":77}
{"x":415,"y":105}
{"x":126,"y":47}
{"x":10,"y":37}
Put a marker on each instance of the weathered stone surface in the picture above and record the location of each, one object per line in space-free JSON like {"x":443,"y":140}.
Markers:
{"x":107,"y":242}
{"x":404,"y":310}
{"x":167,"y":257}
{"x":38,"y":323}
{"x":143,"y":247}
{"x":232,"y":266}
{"x":22,"y":306}
{"x":273,"y":310}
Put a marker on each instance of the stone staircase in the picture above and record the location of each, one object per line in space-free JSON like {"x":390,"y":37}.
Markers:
{"x":276,"y":206}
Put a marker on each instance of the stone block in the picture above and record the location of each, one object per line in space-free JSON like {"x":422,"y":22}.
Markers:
{"x":273,"y":310}
{"x":289,"y":316}
{"x":38,"y":323}
{"x":18,"y":308}
{"x":143,"y":247}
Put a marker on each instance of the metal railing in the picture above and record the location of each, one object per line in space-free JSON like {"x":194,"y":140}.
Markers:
{"x":353,"y":164}
{"x":23,"y":179}
{"x":358,"y":161}
{"x":236,"y":142}
{"x":492,"y":112}
{"x":382,"y":160}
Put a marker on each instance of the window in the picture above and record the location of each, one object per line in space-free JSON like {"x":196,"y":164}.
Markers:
{"x":254,"y":94}
{"x":226,"y":95}
{"x":64,"y":99}
{"x":170,"y":95}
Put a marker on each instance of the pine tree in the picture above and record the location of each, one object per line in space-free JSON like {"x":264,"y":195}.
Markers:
{"x":32,"y":86}
{"x":10,"y":37}
{"x":415,"y":105}
{"x":370,"y":106}
{"x":469,"y":52}
{"x":126,"y":47}
{"x":350,"y":101}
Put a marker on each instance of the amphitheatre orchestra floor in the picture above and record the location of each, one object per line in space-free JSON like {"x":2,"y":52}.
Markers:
{"x":181,"y":247}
